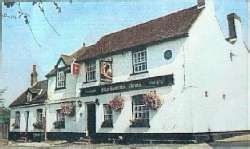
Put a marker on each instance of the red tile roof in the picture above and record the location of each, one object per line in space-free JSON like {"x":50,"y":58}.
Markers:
{"x":166,"y":27}
{"x":40,"y":98}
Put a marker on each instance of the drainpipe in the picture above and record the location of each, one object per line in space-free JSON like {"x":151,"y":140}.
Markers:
{"x":45,"y":121}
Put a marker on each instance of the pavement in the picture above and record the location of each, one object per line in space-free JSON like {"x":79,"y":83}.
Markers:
{"x":234,"y":142}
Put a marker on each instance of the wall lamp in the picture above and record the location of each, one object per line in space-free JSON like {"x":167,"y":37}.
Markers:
{"x":97,"y":102}
{"x":79,"y":103}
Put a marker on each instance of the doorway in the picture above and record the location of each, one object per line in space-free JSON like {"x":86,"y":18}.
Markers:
{"x":91,"y":119}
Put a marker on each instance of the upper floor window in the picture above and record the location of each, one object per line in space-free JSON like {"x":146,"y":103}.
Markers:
{"x":140,"y":61}
{"x":60,"y":79}
{"x":29,"y":97}
{"x":140,"y":112}
{"x":90,"y":71}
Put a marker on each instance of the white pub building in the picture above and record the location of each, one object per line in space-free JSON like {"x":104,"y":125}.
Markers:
{"x":166,"y":79}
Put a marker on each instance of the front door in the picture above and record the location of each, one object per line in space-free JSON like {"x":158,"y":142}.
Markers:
{"x":91,"y":119}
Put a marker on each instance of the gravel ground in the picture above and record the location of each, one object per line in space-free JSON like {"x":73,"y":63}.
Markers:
{"x":238,"y":141}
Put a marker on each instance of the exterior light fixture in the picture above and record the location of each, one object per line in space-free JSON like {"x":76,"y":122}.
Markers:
{"x":97,"y":101}
{"x":79,"y":103}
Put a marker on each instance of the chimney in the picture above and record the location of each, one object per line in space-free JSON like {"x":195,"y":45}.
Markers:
{"x":33,"y":75}
{"x":83,"y":44}
{"x":234,"y":27}
{"x":206,"y":3}
{"x":200,"y":4}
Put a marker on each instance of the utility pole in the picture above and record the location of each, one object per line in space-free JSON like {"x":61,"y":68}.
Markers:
{"x":45,"y":120}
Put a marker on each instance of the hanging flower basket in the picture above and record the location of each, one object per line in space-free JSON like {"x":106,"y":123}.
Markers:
{"x":38,"y":125}
{"x":152,"y":100}
{"x":116,"y":103}
{"x":68,"y":109}
{"x":15,"y":125}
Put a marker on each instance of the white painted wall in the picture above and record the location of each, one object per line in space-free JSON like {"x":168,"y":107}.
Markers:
{"x":32,"y":118}
{"x":210,"y":69}
{"x":69,"y":92}
{"x":70,"y":122}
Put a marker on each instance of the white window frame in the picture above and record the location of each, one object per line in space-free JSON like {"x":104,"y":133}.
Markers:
{"x":29,"y":96}
{"x":140,"y":61}
{"x":39,"y":117}
{"x":108,"y":115}
{"x":61,"y":79}
{"x":60,"y":116}
{"x":140,"y":112}
{"x":17,"y":117}
{"x":90,"y":71}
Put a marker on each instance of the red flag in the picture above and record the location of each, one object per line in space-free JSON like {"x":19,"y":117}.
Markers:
{"x":74,"y":68}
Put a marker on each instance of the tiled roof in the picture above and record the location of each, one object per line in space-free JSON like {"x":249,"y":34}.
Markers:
{"x":40,"y":98}
{"x":67,"y":59}
{"x":166,"y":27}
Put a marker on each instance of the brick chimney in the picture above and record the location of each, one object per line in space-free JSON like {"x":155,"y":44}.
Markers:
{"x":234,"y":27}
{"x":33,"y":75}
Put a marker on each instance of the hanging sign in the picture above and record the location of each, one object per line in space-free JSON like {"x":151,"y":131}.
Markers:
{"x":106,"y":71}
{"x":74,"y":68}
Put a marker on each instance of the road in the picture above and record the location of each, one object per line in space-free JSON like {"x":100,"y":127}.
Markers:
{"x":235,"y":142}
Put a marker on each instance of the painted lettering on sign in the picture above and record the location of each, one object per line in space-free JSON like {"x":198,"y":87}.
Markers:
{"x":148,"y":83}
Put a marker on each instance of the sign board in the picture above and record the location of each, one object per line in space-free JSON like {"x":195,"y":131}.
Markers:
{"x":147,"y":83}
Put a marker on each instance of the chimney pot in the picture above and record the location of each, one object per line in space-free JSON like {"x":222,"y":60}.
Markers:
{"x":201,"y":3}
{"x":34,"y":68}
{"x":83,"y":44}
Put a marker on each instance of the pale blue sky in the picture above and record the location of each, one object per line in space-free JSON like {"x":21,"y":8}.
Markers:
{"x":80,"y":22}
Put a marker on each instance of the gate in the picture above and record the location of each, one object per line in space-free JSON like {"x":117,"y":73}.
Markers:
{"x":4,"y":130}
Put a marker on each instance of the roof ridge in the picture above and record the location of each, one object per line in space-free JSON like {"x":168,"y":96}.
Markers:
{"x":66,"y":55}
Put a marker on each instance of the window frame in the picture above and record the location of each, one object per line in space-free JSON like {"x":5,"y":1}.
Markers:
{"x":29,"y":97}
{"x":108,"y":112}
{"x":39,"y":115}
{"x":108,"y":116}
{"x":60,"y":117}
{"x":90,"y":69}
{"x":60,"y":79}
{"x":18,"y":118}
{"x":139,"y":61}
{"x":140,"y":112}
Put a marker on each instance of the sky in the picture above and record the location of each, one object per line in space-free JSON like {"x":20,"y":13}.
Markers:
{"x":78,"y":23}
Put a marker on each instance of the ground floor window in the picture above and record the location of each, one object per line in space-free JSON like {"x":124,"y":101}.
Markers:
{"x":16,"y":124}
{"x":60,"y":122}
{"x":108,"y":116}
{"x":39,"y":118}
{"x":140,"y":112}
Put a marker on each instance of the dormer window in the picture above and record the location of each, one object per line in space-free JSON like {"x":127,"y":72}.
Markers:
{"x":29,"y":97}
{"x":60,"y":79}
{"x":90,"y":71}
